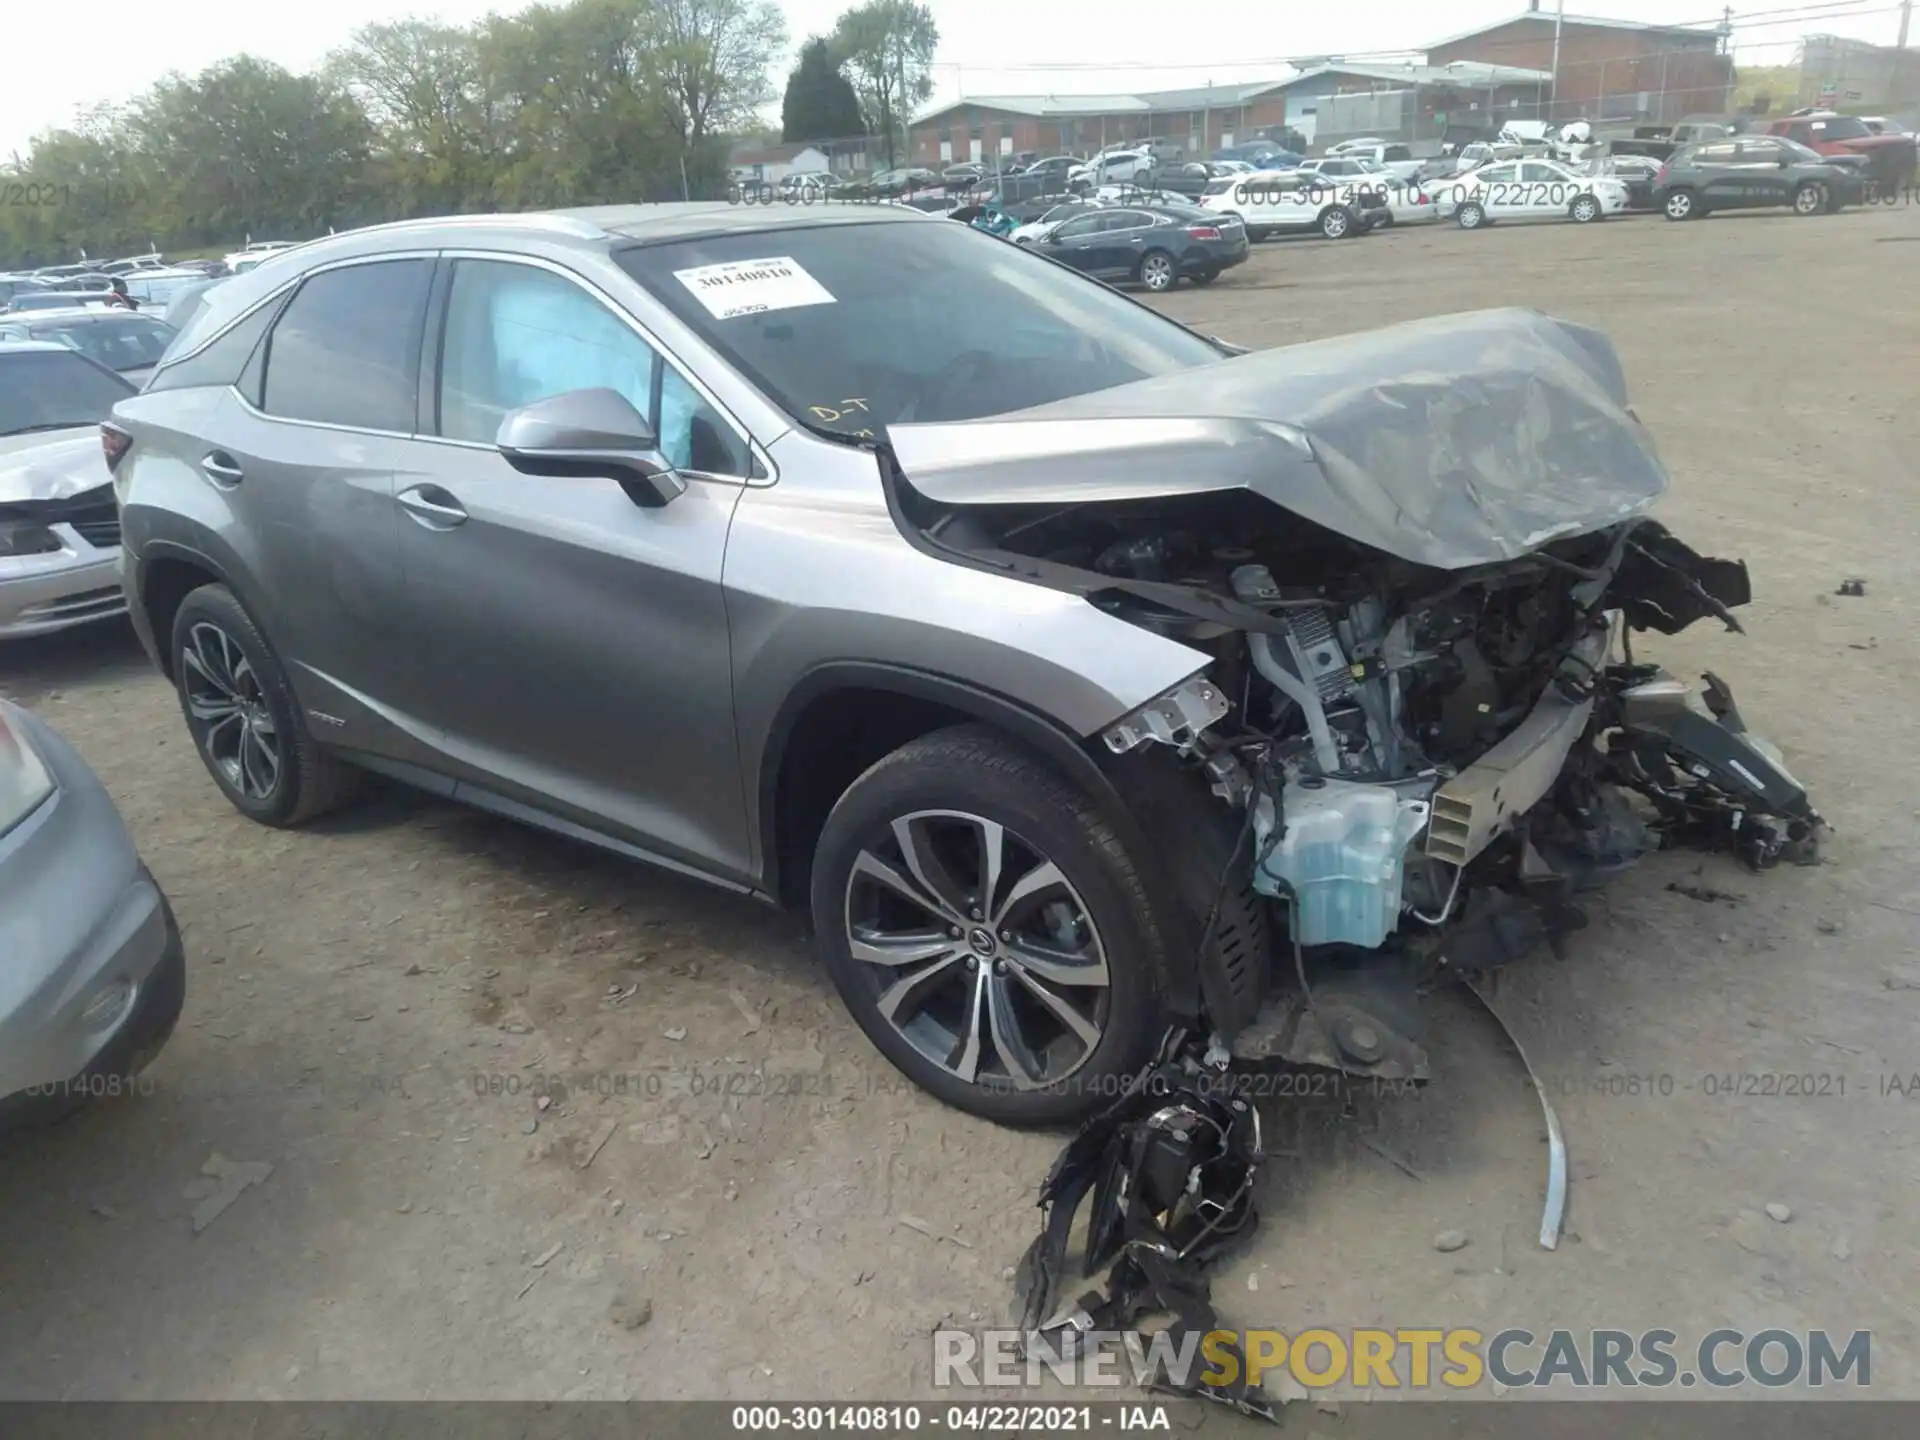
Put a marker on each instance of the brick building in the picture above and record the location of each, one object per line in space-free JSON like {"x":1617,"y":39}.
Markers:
{"x":1199,"y":120}
{"x":1609,"y":69}
{"x":1392,"y":101}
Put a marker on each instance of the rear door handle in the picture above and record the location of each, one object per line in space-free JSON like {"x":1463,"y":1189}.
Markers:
{"x":220,"y":469}
{"x":433,"y":507}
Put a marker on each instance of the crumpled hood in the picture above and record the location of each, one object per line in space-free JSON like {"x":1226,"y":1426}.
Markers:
{"x":36,"y":467}
{"x":1451,"y":442}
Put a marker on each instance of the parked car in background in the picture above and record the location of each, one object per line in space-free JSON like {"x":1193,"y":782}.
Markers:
{"x":128,"y":345}
{"x":1332,"y":167}
{"x":95,"y":968}
{"x":1663,"y":142}
{"x":1395,"y":160}
{"x":154,"y":289}
{"x":1360,"y":144}
{"x":26,"y":302}
{"x":1485,"y":152}
{"x":1262,"y":155}
{"x":1636,"y":170}
{"x":132,"y":264}
{"x":12,"y":285}
{"x":1289,"y":202}
{"x":1890,"y":158}
{"x":1744,"y":172}
{"x":1112,"y":166}
{"x":1409,"y":201}
{"x":1156,"y":246}
{"x":255,"y":252}
{"x":186,"y":301}
{"x":1029,"y":231}
{"x":59,"y":528}
{"x":1529,"y":190}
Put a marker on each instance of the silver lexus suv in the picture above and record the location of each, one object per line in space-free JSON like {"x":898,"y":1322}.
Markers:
{"x":1087,"y":679}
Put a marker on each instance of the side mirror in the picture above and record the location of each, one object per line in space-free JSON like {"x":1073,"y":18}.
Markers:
{"x":590,"y":434}
{"x":1786,"y":162}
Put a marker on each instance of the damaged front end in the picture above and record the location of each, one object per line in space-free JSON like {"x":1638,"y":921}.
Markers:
{"x":1416,"y":559}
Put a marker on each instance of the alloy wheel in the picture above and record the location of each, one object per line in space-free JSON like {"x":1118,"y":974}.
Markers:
{"x":1333,"y":224}
{"x":231,"y":721}
{"x":1679,"y":205}
{"x":1586,"y":209}
{"x":1157,"y":272}
{"x":980,"y":952}
{"x":1809,"y":200}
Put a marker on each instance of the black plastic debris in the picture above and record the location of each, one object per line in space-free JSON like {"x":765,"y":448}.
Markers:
{"x":1168,"y":1173}
{"x":1852,"y":585}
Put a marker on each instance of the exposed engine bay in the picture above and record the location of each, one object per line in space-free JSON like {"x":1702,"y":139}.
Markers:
{"x":1417,"y":558}
{"x":1429,"y":762}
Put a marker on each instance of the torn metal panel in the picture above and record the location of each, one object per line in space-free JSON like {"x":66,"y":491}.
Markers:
{"x":1554,"y":1214}
{"x":1451,"y":442}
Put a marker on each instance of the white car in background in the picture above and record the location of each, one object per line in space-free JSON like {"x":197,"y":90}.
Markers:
{"x":1277,"y":202}
{"x":1034,"y":230}
{"x":1529,"y":190}
{"x":1111,"y":166}
{"x":1409,"y":199}
{"x":253,"y":252}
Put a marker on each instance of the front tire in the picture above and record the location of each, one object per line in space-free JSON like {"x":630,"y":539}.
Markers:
{"x":1336,"y":223}
{"x":1585,"y":210}
{"x":1810,"y":198}
{"x":245,"y":723}
{"x":988,"y":931}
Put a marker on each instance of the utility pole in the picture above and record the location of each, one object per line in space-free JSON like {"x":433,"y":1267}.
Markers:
{"x":1559,"y":19}
{"x":1906,"y":14}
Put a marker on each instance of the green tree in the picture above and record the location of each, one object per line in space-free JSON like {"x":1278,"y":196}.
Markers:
{"x":887,"y":48}
{"x":420,"y":84}
{"x":819,"y":103}
{"x":712,"y":58}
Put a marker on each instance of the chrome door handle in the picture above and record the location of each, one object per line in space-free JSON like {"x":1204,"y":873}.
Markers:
{"x":433,"y":507}
{"x":219,"y":468}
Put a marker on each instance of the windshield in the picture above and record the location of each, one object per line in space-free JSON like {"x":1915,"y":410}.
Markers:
{"x":53,"y":390}
{"x":132,"y":343}
{"x":1841,"y":127}
{"x":853,"y":327}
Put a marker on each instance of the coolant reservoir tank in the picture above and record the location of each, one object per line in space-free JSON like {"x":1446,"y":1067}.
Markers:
{"x":1341,"y":858}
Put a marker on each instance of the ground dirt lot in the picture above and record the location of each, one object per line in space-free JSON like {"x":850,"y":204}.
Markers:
{"x":359,"y":992}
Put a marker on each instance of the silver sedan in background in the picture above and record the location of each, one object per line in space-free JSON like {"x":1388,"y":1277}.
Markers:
{"x":59,"y":525}
{"x":94,"y":972}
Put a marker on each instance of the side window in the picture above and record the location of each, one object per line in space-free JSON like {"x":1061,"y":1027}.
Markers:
{"x":1394,"y":154}
{"x":347,"y":347}
{"x":1535,"y":173}
{"x":517,"y":333}
{"x":227,"y":360}
{"x":1082,"y":225}
{"x":1716,"y":154}
{"x":1802,"y":132}
{"x":1498,"y":174}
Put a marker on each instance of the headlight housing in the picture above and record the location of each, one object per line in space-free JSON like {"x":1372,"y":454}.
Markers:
{"x":26,"y":537}
{"x":25,"y":781}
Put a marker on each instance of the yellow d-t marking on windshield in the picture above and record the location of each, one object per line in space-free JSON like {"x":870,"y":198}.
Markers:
{"x":832,"y":416}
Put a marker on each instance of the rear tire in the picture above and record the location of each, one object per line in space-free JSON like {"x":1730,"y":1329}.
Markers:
{"x":245,"y":722}
{"x":1336,"y":223}
{"x":946,"y":793}
{"x":1470,"y":216}
{"x":1158,"y":271}
{"x":1681,"y":205}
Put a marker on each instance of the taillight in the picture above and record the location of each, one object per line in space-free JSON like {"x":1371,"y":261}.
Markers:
{"x":1659,"y":174}
{"x":1204,"y":232}
{"x":114,"y":443}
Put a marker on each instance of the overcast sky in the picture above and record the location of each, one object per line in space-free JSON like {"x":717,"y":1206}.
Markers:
{"x":986,"y":46}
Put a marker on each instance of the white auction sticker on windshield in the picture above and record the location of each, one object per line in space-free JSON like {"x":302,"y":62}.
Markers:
{"x":750,"y":287}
